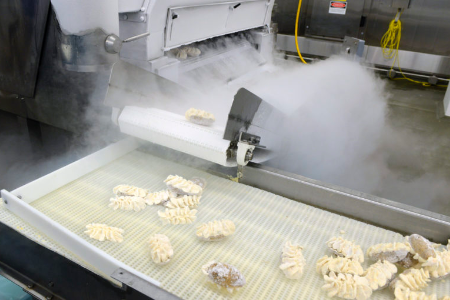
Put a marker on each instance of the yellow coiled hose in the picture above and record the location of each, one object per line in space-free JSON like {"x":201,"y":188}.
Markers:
{"x":390,"y":43}
{"x":296,"y":31}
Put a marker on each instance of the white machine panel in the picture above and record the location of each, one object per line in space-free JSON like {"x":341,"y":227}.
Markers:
{"x":173,"y":131}
{"x":130,"y":5}
{"x":193,"y":23}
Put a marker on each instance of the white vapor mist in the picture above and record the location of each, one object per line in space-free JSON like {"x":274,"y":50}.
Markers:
{"x":335,"y":116}
{"x":336,"y":127}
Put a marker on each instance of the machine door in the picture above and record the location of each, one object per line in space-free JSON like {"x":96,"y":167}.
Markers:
{"x":334,"y":19}
{"x":195,"y":23}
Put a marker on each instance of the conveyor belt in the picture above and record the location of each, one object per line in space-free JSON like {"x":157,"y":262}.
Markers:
{"x":264,"y":221}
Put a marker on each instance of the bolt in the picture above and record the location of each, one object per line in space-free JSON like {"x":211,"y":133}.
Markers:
{"x":6,"y":202}
{"x":249,"y":155}
{"x":30,"y":286}
{"x":142,"y":8}
{"x":49,"y":297}
{"x":125,"y":17}
{"x":142,"y":18}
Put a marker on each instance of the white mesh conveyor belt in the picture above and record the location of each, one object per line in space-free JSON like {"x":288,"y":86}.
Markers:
{"x":264,"y":222}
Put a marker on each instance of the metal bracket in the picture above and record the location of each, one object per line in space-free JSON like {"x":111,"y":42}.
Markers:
{"x":250,"y":139}
{"x":245,"y":147}
{"x":140,"y":285}
{"x":244,"y":153}
{"x":139,"y":17}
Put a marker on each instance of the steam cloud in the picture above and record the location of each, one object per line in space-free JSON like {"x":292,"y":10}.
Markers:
{"x":336,"y":128}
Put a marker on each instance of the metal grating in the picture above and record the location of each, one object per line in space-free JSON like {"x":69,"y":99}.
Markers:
{"x":264,"y":221}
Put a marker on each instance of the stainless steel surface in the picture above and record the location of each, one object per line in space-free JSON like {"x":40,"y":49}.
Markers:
{"x":371,"y":209}
{"x":353,"y":48}
{"x":321,"y":22}
{"x":22,"y":28}
{"x":133,"y":86}
{"x":400,"y":3}
{"x":412,"y":61}
{"x":142,"y":286}
{"x":187,"y":24}
{"x":242,"y":113}
{"x":409,"y":61}
{"x":425,"y":24}
{"x":85,"y":53}
{"x":308,"y":46}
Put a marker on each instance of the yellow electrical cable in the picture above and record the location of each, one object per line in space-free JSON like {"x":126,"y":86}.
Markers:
{"x":296,"y":31}
{"x":390,"y":43}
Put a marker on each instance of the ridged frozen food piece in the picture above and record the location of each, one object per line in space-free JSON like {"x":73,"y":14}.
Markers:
{"x":292,"y":261}
{"x":104,"y":232}
{"x":161,"y":249}
{"x":178,"y":216}
{"x":127,"y":203}
{"x":329,"y":264}
{"x":224,"y":275}
{"x":392,"y":252}
{"x":438,"y":266}
{"x":181,"y":54}
{"x":347,"y":286}
{"x":413,"y":279}
{"x":345,"y":248}
{"x":128,"y":190}
{"x":380,"y":274}
{"x":215,"y":230}
{"x":200,"y":117}
{"x":407,"y":294}
{"x":183,"y":201}
{"x":159,"y":197}
{"x":421,"y":247}
{"x":182,"y":186}
{"x":192,"y":51}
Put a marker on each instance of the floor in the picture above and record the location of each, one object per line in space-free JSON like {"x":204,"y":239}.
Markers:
{"x":418,"y":161}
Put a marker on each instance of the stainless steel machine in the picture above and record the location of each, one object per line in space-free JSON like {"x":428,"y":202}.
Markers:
{"x":423,"y":50}
{"x":118,"y":53}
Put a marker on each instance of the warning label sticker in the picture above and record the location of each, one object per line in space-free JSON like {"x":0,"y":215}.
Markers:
{"x":338,"y":7}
